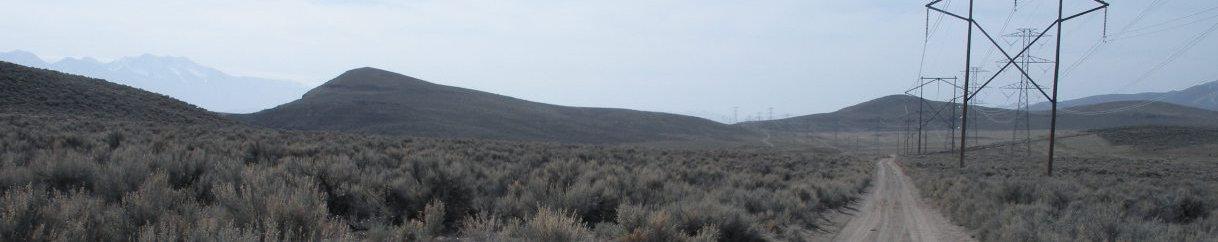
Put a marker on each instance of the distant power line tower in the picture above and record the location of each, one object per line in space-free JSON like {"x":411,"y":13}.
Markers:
{"x":943,"y":113}
{"x":1022,"y":118}
{"x":1012,"y":60}
{"x":973,"y":72}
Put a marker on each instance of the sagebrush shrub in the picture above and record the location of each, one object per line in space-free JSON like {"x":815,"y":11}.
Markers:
{"x":549,"y":225}
{"x":1004,"y":197}
{"x":161,"y":182}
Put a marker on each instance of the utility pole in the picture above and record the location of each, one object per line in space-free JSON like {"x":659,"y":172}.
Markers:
{"x":901,"y":136}
{"x":976,"y":102}
{"x":905,"y":137}
{"x":876,"y":134}
{"x":968,"y":62}
{"x":921,"y":101}
{"x":952,"y":137}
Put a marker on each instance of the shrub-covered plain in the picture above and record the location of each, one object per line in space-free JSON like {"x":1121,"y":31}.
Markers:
{"x":73,"y":179}
{"x":1003,"y":196}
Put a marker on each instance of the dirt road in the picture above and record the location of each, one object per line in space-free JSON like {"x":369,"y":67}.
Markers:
{"x":766,"y":140}
{"x":893,"y":211}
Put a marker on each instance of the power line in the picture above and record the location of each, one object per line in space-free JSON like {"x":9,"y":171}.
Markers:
{"x":1176,"y":19}
{"x":1173,"y":27}
{"x":1146,"y":75}
{"x":1057,"y":24}
{"x":1141,"y":15}
{"x":1183,"y":50}
{"x":1099,"y":44}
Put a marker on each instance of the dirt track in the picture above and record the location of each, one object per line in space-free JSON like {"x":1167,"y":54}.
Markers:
{"x":893,"y":211}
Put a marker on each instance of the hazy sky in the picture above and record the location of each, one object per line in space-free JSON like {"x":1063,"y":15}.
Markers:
{"x":698,"y":57}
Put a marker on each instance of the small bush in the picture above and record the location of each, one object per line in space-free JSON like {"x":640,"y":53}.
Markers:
{"x":554,"y":226}
{"x":1016,"y":193}
{"x":433,"y":218}
{"x":485,"y":227}
{"x":1183,"y":208}
{"x":113,"y":139}
{"x":178,"y":182}
{"x":67,"y":172}
{"x":1088,"y":198}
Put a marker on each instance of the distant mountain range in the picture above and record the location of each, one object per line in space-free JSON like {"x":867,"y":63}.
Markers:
{"x":177,"y":77}
{"x":1196,"y":106}
{"x":892,"y":112}
{"x":1203,"y":96}
{"x":369,"y":100}
{"x":39,"y":92}
{"x":374,"y":101}
{"x":364,"y":100}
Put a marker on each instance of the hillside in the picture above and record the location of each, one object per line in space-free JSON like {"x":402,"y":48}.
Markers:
{"x":369,"y":100}
{"x":1203,"y":96}
{"x":886,"y":113}
{"x":1151,"y":138}
{"x":31,"y":91}
{"x":1131,"y":113}
{"x":178,"y":77}
{"x":891,"y":113}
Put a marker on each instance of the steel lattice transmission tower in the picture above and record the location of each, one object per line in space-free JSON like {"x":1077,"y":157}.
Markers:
{"x":1022,"y":119}
{"x":972,"y":24}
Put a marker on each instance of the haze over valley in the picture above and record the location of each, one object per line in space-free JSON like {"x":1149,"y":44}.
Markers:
{"x":177,"y":77}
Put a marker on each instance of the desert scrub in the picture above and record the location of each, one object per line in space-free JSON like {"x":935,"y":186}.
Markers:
{"x":161,"y":182}
{"x":1001,"y":196}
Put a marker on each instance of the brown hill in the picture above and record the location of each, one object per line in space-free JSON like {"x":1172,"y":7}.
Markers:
{"x":369,"y":100}
{"x":1131,"y":113}
{"x":1204,"y":96}
{"x":891,"y":113}
{"x":39,"y":92}
{"x":1159,"y":137}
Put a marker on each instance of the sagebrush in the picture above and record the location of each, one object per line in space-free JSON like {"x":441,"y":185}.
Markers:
{"x":1005,"y":196}
{"x":64,"y":178}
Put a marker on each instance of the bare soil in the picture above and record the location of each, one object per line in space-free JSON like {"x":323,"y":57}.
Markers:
{"x":894,"y":211}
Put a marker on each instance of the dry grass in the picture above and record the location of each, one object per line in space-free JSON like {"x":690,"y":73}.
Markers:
{"x":63,"y":178}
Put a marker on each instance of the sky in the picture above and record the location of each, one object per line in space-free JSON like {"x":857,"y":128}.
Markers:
{"x":705,"y":58}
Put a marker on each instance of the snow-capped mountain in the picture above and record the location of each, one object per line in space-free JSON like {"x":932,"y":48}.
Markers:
{"x":176,"y":77}
{"x":23,"y":58}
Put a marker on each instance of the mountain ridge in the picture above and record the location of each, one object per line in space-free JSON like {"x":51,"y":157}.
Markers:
{"x":178,"y":77}
{"x":1203,"y":96}
{"x":889,"y":114}
{"x":34,"y":91}
{"x":370,"y":100}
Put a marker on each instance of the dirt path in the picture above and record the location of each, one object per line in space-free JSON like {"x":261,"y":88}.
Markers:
{"x":766,"y":140}
{"x":893,"y":211}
